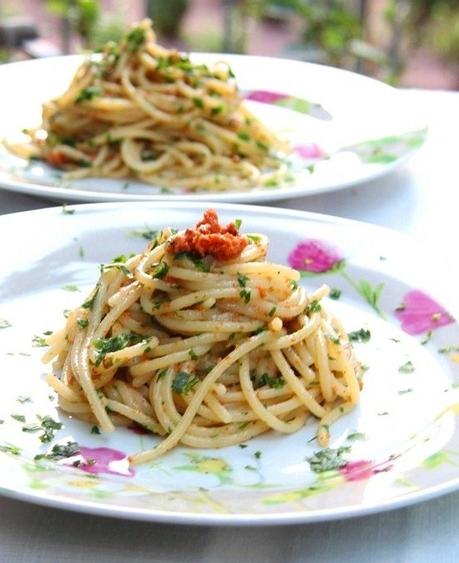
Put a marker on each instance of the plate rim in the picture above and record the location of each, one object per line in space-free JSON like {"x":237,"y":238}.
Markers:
{"x":214,"y":519}
{"x":263,"y":195}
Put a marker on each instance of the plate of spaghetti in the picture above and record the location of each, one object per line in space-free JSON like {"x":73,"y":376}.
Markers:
{"x":232,"y":366}
{"x":139,"y":121}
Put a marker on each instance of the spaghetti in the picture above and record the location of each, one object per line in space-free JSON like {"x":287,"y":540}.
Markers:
{"x":145,"y":111}
{"x":203,"y":351}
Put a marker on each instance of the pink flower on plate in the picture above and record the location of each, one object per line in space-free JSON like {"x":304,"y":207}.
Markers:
{"x":362,"y":469}
{"x":419,"y":313}
{"x":313,"y":256}
{"x":265,"y":97}
{"x":309,"y":151}
{"x":105,"y":460}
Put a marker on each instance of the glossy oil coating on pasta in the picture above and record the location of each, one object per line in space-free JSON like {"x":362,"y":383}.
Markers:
{"x":203,"y":351}
{"x":141,"y":110}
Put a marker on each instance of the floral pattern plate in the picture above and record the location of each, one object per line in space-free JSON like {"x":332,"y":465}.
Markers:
{"x":399,"y":446}
{"x":344,"y":128}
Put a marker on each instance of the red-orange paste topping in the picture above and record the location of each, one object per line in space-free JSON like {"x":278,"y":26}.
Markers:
{"x":210,"y":238}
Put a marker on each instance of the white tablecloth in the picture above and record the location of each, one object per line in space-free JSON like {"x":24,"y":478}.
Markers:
{"x":421,"y":199}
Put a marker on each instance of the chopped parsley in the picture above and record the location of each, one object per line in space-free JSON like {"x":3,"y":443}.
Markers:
{"x":87,"y":94}
{"x":356,"y":436}
{"x":243,"y":135}
{"x":257,"y":454}
{"x":294,"y":284}
{"x":105,"y":346}
{"x":120,"y":259}
{"x":184,"y":382}
{"x":199,"y":264}
{"x":262,"y":146}
{"x":254,"y":238}
{"x":242,"y":280}
{"x":405,"y":391}
{"x":147,"y":233}
{"x":89,"y":304}
{"x":245,"y":295}
{"x":250,"y":468}
{"x":361,"y":335}
{"x":117,"y":266}
{"x":95,"y":430}
{"x":161,"y":271}
{"x":135,"y":39}
{"x":60,"y":451}
{"x":10,"y":449}
{"x":66,"y":210}
{"x":4,"y":323}
{"x":314,"y":307}
{"x":273,"y":382}
{"x":272,"y":311}
{"x":258,"y":330}
{"x":407,"y":367}
{"x":18,"y":417}
{"x":32,"y":427}
{"x":49,"y":427}
{"x":162,"y":373}
{"x":335,"y":293}
{"x":23,"y":399}
{"x":193,"y":354}
{"x":426,"y":338}
{"x":198,"y":102}
{"x":39,"y":341}
{"x":328,"y":459}
{"x":70,"y":287}
{"x":82,"y":323}
{"x":448,"y":349}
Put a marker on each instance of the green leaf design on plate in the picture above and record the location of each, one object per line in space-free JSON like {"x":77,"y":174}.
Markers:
{"x":387,"y":149}
{"x":37,"y":484}
{"x":434,"y":460}
{"x":322,"y":485}
{"x":371,"y":293}
{"x":208,"y":466}
{"x":295,"y":104}
{"x":381,"y":158}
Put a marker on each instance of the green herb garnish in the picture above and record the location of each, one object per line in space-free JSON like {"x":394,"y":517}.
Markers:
{"x":87,"y":94}
{"x":66,"y":210}
{"x":335,"y":293}
{"x":273,"y":382}
{"x":39,"y":341}
{"x":361,"y":335}
{"x":245,"y":295}
{"x":328,"y":459}
{"x":105,"y":346}
{"x":407,"y":367}
{"x":160,"y":271}
{"x":60,"y":451}
{"x":184,"y":382}
{"x":135,"y":39}
{"x":10,"y":449}
{"x":314,"y":307}
{"x":49,"y":427}
{"x":242,"y":280}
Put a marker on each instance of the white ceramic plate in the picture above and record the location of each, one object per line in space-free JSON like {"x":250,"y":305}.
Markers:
{"x":345,"y":128}
{"x":401,"y":445}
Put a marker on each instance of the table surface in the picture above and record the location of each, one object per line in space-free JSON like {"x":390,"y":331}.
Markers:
{"x":421,"y":199}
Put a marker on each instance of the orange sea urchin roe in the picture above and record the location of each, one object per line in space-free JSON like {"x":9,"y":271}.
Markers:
{"x":210,"y":238}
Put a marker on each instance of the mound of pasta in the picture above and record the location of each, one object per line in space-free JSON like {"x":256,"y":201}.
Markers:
{"x":201,"y":340}
{"x":141,"y":110}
